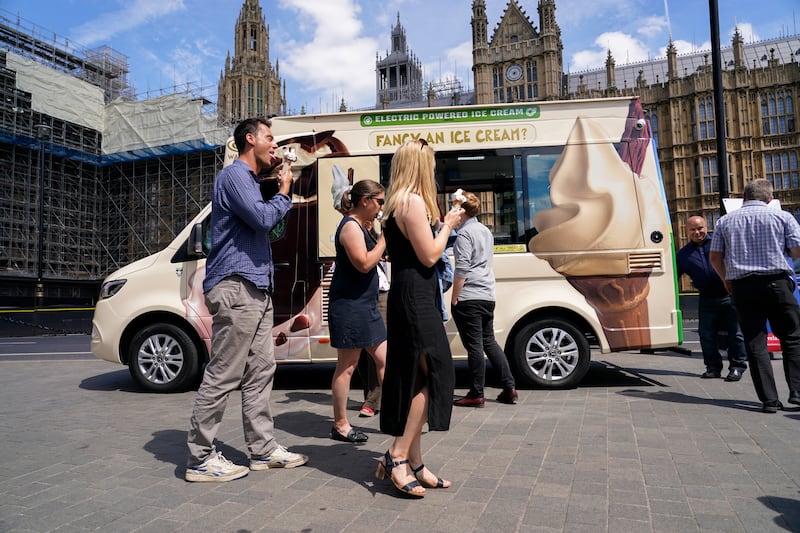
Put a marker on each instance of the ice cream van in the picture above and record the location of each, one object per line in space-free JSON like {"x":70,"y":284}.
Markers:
{"x":571,"y":190}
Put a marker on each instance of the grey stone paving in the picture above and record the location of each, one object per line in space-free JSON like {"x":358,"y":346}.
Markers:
{"x":643,"y":446}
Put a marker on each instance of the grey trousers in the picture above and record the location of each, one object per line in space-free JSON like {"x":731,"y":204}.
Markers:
{"x":242,"y":353}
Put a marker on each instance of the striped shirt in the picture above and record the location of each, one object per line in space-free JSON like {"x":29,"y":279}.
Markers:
{"x":756,"y":239}
{"x":240,"y":226}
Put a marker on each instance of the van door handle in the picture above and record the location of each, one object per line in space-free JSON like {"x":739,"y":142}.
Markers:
{"x":281,"y":266}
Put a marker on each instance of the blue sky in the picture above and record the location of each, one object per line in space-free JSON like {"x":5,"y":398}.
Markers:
{"x":327,"y":48}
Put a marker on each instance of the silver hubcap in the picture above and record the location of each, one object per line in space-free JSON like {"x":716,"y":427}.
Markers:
{"x":160,"y":359}
{"x":552,"y":354}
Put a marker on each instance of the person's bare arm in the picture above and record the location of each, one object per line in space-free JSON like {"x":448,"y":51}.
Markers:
{"x":412,"y":220}
{"x":352,"y":239}
{"x":458,"y":284}
{"x":717,"y":260}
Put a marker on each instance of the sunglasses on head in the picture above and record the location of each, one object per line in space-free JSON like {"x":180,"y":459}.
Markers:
{"x":422,"y":143}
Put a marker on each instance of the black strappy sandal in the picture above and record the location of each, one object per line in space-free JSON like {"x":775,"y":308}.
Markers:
{"x":439,"y":481}
{"x":384,"y":471}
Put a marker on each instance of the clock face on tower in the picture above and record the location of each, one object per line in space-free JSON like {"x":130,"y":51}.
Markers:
{"x":513,"y":72}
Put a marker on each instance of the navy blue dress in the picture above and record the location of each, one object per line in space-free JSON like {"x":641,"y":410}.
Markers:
{"x":353,"y":317}
{"x":416,"y":330}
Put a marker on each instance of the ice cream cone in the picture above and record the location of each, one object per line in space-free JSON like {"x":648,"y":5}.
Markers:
{"x":621,"y":305}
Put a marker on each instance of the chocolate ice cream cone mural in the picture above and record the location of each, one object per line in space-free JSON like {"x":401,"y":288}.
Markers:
{"x":597,"y":194}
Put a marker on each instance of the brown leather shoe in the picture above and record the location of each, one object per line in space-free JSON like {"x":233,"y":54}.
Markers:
{"x":469,"y":401}
{"x":508,"y":396}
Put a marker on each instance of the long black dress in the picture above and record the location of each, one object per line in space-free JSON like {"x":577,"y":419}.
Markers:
{"x":415,"y":329}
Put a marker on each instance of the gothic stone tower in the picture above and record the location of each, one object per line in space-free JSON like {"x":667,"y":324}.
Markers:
{"x":399,"y":74}
{"x":518,"y":63}
{"x":249,"y":86}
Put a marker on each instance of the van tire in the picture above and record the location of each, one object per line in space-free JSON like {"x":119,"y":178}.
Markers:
{"x":163,"y":358}
{"x":550,"y":354}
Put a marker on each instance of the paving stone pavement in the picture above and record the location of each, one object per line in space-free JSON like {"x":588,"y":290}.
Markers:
{"x":643,"y":446}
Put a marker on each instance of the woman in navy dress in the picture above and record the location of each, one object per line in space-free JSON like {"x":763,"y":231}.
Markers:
{"x":419,"y":380}
{"x":353,"y":317}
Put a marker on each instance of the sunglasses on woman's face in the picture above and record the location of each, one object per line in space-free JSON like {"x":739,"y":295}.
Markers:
{"x":380,"y":201}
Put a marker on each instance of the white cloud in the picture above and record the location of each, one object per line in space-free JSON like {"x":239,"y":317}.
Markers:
{"x":624,"y":49}
{"x":652,"y":26}
{"x":133,"y":15}
{"x":747,"y":31}
{"x":685,"y":47}
{"x":337,"y":58}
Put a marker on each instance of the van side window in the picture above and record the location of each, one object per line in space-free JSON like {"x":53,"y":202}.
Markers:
{"x":535,"y":184}
{"x":512,"y":184}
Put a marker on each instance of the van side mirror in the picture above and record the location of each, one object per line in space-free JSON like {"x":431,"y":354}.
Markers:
{"x":194,"y":246}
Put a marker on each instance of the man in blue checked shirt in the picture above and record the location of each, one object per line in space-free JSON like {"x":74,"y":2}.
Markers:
{"x":238,"y":290}
{"x":749,"y":252}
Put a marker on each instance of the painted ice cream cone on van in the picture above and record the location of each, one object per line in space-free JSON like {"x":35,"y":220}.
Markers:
{"x":593,"y":227}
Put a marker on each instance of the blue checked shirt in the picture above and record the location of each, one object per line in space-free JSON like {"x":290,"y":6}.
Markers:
{"x":756,"y":239}
{"x":240,"y":226}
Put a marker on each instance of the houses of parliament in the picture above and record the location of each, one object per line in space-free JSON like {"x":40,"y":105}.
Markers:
{"x":85,"y":198}
{"x":522,"y":61}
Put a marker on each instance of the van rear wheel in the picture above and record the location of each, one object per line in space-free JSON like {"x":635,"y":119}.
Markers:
{"x":551,"y":353}
{"x":163,"y":358}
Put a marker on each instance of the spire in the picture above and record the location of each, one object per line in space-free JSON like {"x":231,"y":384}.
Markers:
{"x":611,"y":75}
{"x":738,"y":49}
{"x":672,"y":61}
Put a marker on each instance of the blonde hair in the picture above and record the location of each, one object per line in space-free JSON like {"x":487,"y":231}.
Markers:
{"x":413,"y":173}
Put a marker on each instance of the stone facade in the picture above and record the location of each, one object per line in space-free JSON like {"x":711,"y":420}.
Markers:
{"x":249,"y":86}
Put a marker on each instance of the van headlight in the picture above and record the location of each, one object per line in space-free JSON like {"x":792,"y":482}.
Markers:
{"x":110,"y":288}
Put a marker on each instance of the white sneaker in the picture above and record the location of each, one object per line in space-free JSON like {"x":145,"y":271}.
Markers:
{"x":280,"y":458}
{"x":216,"y":468}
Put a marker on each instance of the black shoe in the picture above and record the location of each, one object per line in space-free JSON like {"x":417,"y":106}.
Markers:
{"x":508,"y":396}
{"x":710,"y":374}
{"x":734,"y":375}
{"x":794,"y":397}
{"x":355,"y":436}
{"x":771,"y":407}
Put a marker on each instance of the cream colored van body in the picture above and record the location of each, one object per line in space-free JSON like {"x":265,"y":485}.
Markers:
{"x":571,"y":190}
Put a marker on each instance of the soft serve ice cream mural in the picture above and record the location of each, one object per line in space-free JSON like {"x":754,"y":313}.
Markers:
{"x":599,"y":194}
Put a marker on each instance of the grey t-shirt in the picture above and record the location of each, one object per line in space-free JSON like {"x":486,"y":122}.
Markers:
{"x":474,"y":250}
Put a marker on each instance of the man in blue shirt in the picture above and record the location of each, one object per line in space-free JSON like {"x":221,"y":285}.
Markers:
{"x":715,"y":306}
{"x":238,"y":289}
{"x":748,"y":252}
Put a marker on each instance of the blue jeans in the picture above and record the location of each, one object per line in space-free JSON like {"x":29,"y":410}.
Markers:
{"x":719,"y":314}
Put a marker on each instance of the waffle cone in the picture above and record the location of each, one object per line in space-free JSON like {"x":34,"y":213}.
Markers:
{"x":621,"y":305}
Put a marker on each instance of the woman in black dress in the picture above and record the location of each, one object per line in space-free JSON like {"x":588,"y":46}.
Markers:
{"x":353,"y":316}
{"x":419,"y":380}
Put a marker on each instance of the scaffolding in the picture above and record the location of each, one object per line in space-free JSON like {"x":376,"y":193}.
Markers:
{"x":94,"y":198}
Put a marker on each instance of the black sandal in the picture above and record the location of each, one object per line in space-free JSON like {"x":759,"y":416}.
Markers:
{"x":384,"y":471}
{"x":354,"y":436}
{"x":439,"y":481}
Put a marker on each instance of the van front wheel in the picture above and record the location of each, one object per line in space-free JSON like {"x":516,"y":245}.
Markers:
{"x":551,"y":353}
{"x":163,"y":358}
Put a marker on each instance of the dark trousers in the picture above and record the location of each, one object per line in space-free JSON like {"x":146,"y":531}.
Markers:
{"x":762,"y":298}
{"x":719,"y":314}
{"x":475,"y":322}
